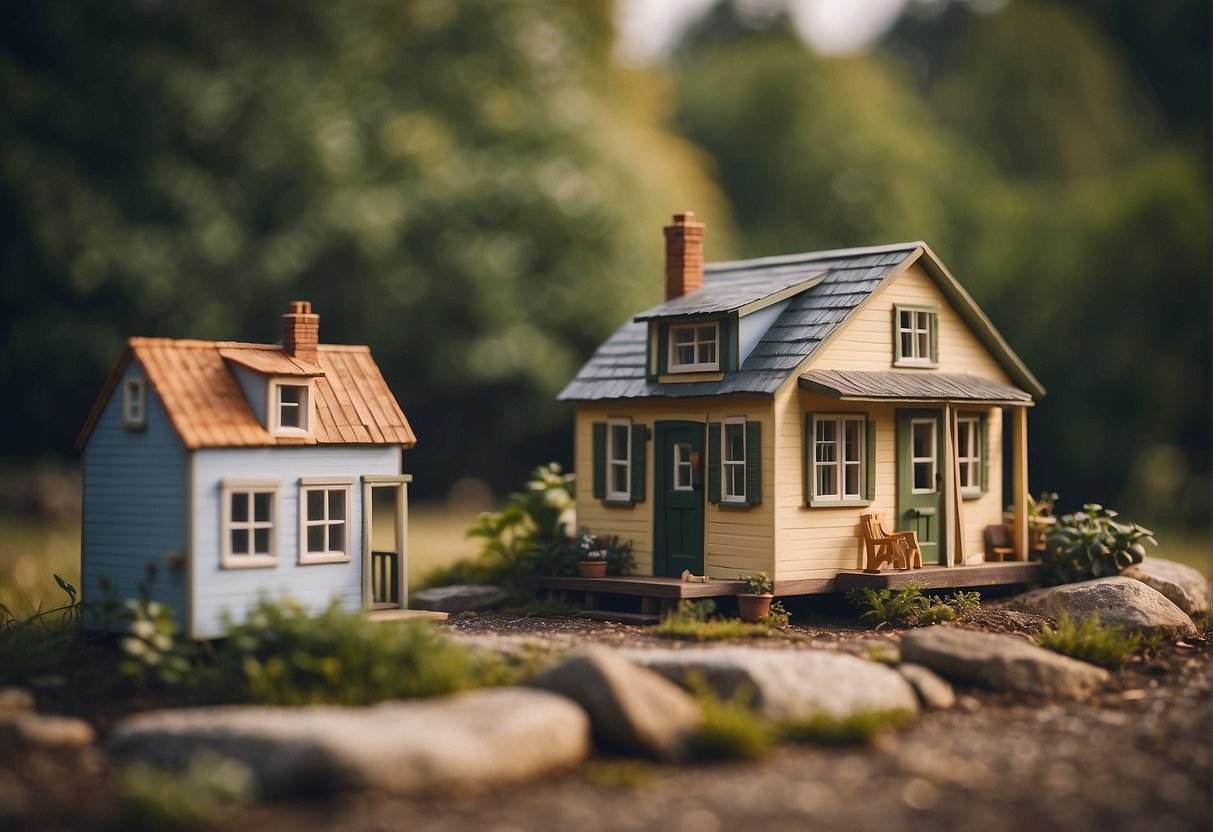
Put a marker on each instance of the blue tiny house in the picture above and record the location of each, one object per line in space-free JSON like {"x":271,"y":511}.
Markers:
{"x":244,"y":471}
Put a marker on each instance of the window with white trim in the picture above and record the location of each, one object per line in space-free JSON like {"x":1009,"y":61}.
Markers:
{"x":324,"y":520}
{"x":968,"y":454}
{"x":291,"y":407}
{"x":683,"y":467}
{"x":694,"y":347}
{"x":732,"y":458}
{"x":923,"y":434}
{"x":134,"y":402}
{"x":249,"y":524}
{"x":916,"y":336}
{"x":619,"y":459}
{"x":838,"y":458}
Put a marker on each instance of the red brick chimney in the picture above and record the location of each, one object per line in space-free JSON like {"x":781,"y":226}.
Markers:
{"x":301,"y":331}
{"x":683,"y":255}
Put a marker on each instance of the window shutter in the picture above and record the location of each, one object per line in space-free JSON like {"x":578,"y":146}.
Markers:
{"x":896,"y":334}
{"x":810,"y":456}
{"x":934,"y":337}
{"x":639,"y":435}
{"x":714,"y":462}
{"x":869,"y":463}
{"x":983,"y":444}
{"x":753,"y":462}
{"x":600,"y":441}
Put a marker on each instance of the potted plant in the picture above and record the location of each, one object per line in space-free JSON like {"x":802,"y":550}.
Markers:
{"x":755,"y":603}
{"x":593,"y":562}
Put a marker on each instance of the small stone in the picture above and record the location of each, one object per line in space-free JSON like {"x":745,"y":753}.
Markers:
{"x":460,"y":598}
{"x":16,"y":699}
{"x":933,"y":692}
{"x":45,"y":730}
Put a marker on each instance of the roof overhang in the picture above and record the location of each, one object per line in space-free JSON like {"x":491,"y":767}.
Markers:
{"x":719,"y":298}
{"x":271,"y":361}
{"x":868,"y":386}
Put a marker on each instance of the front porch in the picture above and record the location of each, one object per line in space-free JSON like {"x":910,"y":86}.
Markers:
{"x":943,"y":577}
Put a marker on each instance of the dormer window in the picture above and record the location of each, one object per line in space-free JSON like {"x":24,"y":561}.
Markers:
{"x":134,"y":403}
{"x":290,"y":408}
{"x":694,"y":347}
{"x":915,"y":336}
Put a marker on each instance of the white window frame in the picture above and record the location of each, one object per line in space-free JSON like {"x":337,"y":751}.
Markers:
{"x":307,"y":485}
{"x":968,"y":455}
{"x":683,"y":464}
{"x":134,"y":402}
{"x":918,"y":323}
{"x":274,"y":408}
{"x":617,"y":461}
{"x":933,"y":459}
{"x":729,"y":465}
{"x":696,"y":329}
{"x":234,"y":560}
{"x":841,"y":461}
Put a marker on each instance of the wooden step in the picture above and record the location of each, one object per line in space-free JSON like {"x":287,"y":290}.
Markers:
{"x":620,"y":617}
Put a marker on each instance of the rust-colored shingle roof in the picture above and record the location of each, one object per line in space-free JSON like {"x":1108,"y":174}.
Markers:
{"x":207,"y":407}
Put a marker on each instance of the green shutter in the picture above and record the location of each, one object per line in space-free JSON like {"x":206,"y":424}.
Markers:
{"x":753,"y":463}
{"x":714,"y":462}
{"x":663,"y":349}
{"x":983,"y":439}
{"x":934,"y":337}
{"x":728,"y":344}
{"x":810,"y":478}
{"x":869,"y":463}
{"x":639,"y":435}
{"x":600,"y":442}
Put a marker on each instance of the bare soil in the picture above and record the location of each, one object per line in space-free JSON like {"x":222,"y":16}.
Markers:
{"x":1135,"y":756}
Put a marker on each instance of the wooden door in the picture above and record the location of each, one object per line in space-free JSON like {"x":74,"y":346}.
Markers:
{"x":678,"y":510}
{"x":920,"y":477}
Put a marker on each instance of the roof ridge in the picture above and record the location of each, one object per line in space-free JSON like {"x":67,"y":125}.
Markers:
{"x":810,"y":256}
{"x":201,"y":343}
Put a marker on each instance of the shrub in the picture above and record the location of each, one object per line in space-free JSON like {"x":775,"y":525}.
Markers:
{"x":155,"y":799}
{"x":41,"y":642}
{"x":730,"y":730}
{"x":1089,"y":641}
{"x":858,"y":728}
{"x":777,"y":617}
{"x":1092,"y":544}
{"x":909,"y":607}
{"x":758,"y":584}
{"x":283,"y":655}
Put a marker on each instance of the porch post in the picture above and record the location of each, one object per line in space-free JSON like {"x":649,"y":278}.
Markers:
{"x":947,"y":523}
{"x":1019,"y":481}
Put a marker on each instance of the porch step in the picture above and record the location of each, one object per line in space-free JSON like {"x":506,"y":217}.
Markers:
{"x":641,"y":618}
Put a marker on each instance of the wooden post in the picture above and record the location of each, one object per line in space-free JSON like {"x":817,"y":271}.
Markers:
{"x":1019,"y":481}
{"x":947,"y":523}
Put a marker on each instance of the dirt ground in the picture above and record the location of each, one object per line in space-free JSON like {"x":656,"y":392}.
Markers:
{"x":1135,"y":756}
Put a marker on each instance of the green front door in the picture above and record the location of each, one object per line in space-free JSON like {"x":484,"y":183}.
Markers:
{"x":920,"y":479}
{"x":678,"y":507}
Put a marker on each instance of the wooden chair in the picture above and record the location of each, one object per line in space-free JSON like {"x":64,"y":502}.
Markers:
{"x":998,"y":543}
{"x":898,"y":549}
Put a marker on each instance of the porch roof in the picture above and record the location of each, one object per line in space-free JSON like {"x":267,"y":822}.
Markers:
{"x":860,"y":385}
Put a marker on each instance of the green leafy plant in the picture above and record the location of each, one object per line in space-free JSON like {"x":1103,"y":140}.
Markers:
{"x":909,"y":607}
{"x":730,"y":729}
{"x":856,"y":729}
{"x":694,"y":620}
{"x":777,"y":618}
{"x":40,"y":642}
{"x":151,"y":798}
{"x":1090,"y":641}
{"x":284,"y":655}
{"x":758,"y":584}
{"x":1092,"y":544}
{"x":153,"y":649}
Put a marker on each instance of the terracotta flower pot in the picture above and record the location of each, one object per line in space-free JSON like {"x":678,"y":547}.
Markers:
{"x":753,"y":608}
{"x":592,"y":568}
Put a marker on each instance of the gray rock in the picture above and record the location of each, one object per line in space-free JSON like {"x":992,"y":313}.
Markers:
{"x":630,"y":708}
{"x":458,"y":743}
{"x":44,"y":730}
{"x":1120,"y":601}
{"x":785,"y":683}
{"x":460,"y":598}
{"x":999,"y":661}
{"x":15,"y":699}
{"x":933,"y":692}
{"x":1182,"y":585}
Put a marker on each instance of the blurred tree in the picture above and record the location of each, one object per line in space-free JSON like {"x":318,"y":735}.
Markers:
{"x":474,"y":188}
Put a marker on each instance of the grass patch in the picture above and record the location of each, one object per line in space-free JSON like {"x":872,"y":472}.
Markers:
{"x":856,"y":729}
{"x":910,"y":607}
{"x":152,"y":798}
{"x":697,"y":621}
{"x":730,"y":730}
{"x":619,"y":774}
{"x":1089,"y":641}
{"x":40,"y":643}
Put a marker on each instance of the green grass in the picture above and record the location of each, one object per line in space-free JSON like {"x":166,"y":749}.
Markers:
{"x":1090,"y":641}
{"x":730,"y":730}
{"x":857,"y":729}
{"x":696,"y":621}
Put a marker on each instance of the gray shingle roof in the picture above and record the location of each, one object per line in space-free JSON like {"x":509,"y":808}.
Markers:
{"x":846,"y":278}
{"x":859,"y":385}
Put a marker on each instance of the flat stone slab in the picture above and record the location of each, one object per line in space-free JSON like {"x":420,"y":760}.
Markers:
{"x":1119,"y":601}
{"x":787,"y":684}
{"x":457,"y":743}
{"x":631,"y":708}
{"x":1182,"y":585}
{"x":44,"y":730}
{"x":460,"y":598}
{"x":1002,"y":662}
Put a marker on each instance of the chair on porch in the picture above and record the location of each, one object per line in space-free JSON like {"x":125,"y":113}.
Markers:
{"x":898,"y":549}
{"x":998,"y":543}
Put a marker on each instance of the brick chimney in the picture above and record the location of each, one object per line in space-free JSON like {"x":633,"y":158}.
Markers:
{"x":683,"y":255}
{"x":301,"y":331}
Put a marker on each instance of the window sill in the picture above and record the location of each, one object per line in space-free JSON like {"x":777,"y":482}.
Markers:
{"x":915,"y":364}
{"x":734,"y":504}
{"x":682,"y":376}
{"x":312,"y":560}
{"x":239,"y":562}
{"x":836,"y":504}
{"x":612,"y":502}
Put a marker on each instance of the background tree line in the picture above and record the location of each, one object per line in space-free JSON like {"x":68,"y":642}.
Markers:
{"x":476,"y":189}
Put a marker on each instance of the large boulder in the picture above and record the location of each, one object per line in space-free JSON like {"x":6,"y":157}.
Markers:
{"x":1182,"y":585}
{"x":1119,"y":601}
{"x":787,"y":684}
{"x":630,"y":708}
{"x":457,"y":743}
{"x":460,"y":598}
{"x":1002,"y":662}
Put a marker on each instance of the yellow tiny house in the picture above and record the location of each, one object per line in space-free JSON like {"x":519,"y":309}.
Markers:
{"x":747,"y":422}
